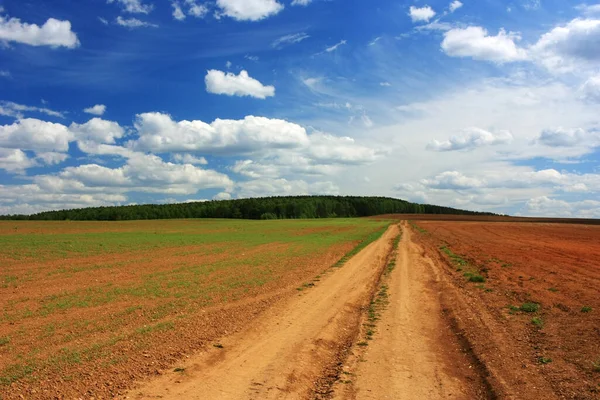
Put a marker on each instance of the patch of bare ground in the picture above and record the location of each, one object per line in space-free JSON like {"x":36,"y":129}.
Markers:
{"x":534,"y":322}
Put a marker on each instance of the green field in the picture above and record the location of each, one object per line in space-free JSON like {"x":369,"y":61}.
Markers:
{"x":81,"y":295}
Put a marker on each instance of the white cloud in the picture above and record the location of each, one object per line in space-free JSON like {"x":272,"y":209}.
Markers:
{"x":97,"y":130}
{"x":560,"y":137}
{"x":15,"y":160}
{"x":301,"y":2}
{"x":385,"y":84}
{"x":335,"y":46}
{"x":196,"y":10}
{"x":103,"y":20}
{"x":190,"y":159}
{"x":546,"y":206}
{"x":452,"y":180}
{"x":455,"y":5}
{"x":570,"y":47}
{"x":219,"y":82}
{"x":422,"y":14}
{"x":10,"y":109}
{"x":147,"y":173}
{"x":475,"y":42}
{"x":53,"y":33}
{"x":222,"y":196}
{"x":36,"y":135}
{"x":249,"y":10}
{"x":289,"y":39}
{"x":132,"y":23}
{"x":589,"y":9}
{"x":251,"y":58}
{"x":193,"y":8}
{"x":158,"y":132}
{"x":98,"y":109}
{"x":134,"y":6}
{"x":5,"y":74}
{"x":228,"y":64}
{"x":329,"y":149}
{"x":471,"y":139}
{"x":591,"y":89}
{"x":178,"y":13}
{"x":284,"y":187}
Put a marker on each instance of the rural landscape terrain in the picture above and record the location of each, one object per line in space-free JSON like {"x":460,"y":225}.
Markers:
{"x":399,"y":306}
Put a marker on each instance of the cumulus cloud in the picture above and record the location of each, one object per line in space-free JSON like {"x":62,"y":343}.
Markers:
{"x":222,"y":196}
{"x":560,"y":137}
{"x":301,"y":2}
{"x":591,"y":89}
{"x":284,"y":187}
{"x":421,"y":14}
{"x":329,"y":149}
{"x":475,"y":42}
{"x":133,"y":23}
{"x":455,"y":5}
{"x":452,"y":180}
{"x":53,"y":33}
{"x":227,"y":83}
{"x":189,"y":159}
{"x":565,"y":48}
{"x":551,"y":207}
{"x":249,"y":10}
{"x":97,"y":130}
{"x":178,"y":13}
{"x":195,"y":9}
{"x":158,"y":132}
{"x":98,"y":109}
{"x":289,"y":39}
{"x":34,"y":134}
{"x":586,"y":9}
{"x":15,"y":160}
{"x":471,"y":139}
{"x":134,"y":6}
{"x":192,"y":7}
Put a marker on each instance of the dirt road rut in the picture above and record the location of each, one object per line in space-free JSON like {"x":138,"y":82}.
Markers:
{"x":291,"y":352}
{"x":413,"y":354}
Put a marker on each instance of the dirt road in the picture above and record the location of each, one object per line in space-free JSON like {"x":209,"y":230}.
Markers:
{"x":291,"y":352}
{"x":413,"y":355}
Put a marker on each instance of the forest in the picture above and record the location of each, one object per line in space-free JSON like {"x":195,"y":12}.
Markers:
{"x":253,"y":208}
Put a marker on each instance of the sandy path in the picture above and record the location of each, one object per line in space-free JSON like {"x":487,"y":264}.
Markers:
{"x":290,"y":352}
{"x":413,"y":354}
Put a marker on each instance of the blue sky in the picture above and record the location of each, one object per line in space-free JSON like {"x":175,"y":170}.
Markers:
{"x":487,"y":105}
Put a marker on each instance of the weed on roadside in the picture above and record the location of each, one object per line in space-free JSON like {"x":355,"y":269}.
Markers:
{"x":586,"y":309}
{"x":544,"y":360}
{"x":596,"y":366}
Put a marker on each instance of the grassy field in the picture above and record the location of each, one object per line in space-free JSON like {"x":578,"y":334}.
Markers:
{"x":95,"y":296}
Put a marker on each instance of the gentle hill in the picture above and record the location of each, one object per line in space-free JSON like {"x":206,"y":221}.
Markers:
{"x":253,"y":208}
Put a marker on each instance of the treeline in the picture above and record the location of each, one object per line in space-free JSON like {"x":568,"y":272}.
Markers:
{"x":257,"y":208}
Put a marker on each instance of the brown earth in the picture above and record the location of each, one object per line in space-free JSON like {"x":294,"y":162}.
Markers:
{"x":413,"y":354}
{"x":292,"y":351}
{"x":554,"y":265}
{"x":438,"y":335}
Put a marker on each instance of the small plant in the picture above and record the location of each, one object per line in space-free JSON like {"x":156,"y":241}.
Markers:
{"x":529,"y":307}
{"x":218,"y":345}
{"x":586,"y":309}
{"x":476,"y":278}
{"x":544,"y":360}
{"x":4,"y":340}
{"x":537,"y":321}
{"x":362,"y":344}
{"x":553,"y":289}
{"x":179,"y":370}
{"x":596,"y":366}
